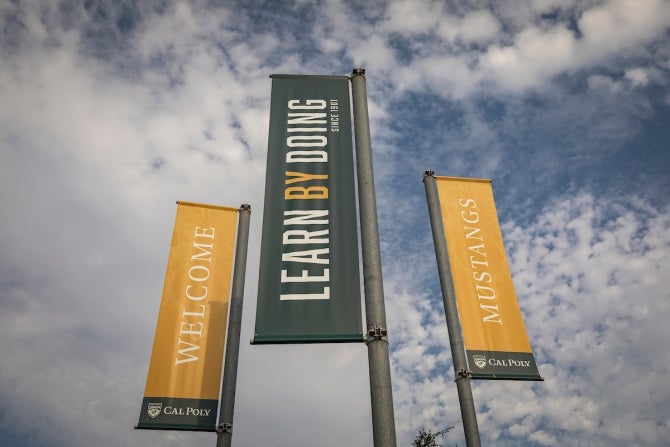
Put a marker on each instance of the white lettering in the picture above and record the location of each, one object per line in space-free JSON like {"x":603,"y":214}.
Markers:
{"x":199,"y":277}
{"x":307,"y":256}
{"x":305,"y":277}
{"x":186,"y":352}
{"x":478,"y":261}
{"x":196,"y":298}
{"x":307,"y":141}
{"x":325,"y":295}
{"x":306,"y":157}
{"x":305,"y":237}
{"x":492,"y":317}
{"x":294,"y":104}
{"x":188,"y":329}
{"x":306,"y":217}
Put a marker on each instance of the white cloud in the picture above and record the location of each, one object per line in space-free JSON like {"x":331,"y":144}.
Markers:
{"x":638,"y":76}
{"x":621,"y":25}
{"x":535,"y":53}
{"x":476,"y":27}
{"x":587,"y":273}
{"x":444,"y":75}
{"x":415,"y":17}
{"x":373,"y":53}
{"x":535,"y":57}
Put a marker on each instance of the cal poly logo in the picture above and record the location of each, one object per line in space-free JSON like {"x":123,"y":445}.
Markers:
{"x":154,"y":409}
{"x":480,"y":361}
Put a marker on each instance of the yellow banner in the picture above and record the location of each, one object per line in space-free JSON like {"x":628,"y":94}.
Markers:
{"x":487,"y":304}
{"x":185,"y":370}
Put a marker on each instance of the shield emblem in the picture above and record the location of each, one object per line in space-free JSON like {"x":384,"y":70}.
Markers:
{"x":154,"y":409}
{"x":480,"y":361}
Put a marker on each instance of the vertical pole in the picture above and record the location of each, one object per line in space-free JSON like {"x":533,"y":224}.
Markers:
{"x":224,"y":431}
{"x":383,"y":422}
{"x":453,"y":323}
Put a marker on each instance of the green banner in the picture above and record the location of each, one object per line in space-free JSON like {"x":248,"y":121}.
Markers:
{"x":309,"y":286}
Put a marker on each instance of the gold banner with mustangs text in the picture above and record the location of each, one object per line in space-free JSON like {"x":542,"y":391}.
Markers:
{"x":496,"y":342}
{"x":183,"y":382}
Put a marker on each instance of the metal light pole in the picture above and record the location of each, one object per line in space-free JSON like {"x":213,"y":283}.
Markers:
{"x":453,"y":323}
{"x":224,"y":431}
{"x":383,"y":422}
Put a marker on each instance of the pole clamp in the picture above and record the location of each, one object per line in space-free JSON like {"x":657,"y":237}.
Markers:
{"x":376,"y":332}
{"x":357,"y":72}
{"x":462,"y":374}
{"x":224,"y":427}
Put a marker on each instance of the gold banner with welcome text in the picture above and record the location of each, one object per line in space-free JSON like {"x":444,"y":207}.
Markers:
{"x":494,"y":333}
{"x":182,"y":389}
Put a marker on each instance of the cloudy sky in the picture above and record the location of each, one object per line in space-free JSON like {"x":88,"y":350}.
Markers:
{"x":110,"y":111}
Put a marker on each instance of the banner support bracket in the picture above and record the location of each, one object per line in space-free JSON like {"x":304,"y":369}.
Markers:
{"x":376,"y":332}
{"x":224,"y":427}
{"x":463,"y":374}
